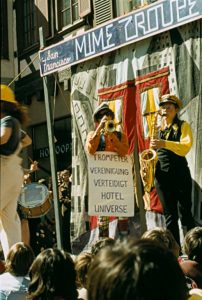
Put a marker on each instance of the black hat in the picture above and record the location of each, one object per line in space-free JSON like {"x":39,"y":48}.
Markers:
{"x":168,"y":98}
{"x":102,"y":107}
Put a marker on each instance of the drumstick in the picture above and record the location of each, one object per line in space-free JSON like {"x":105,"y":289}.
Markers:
{"x":30,"y":159}
{"x":40,"y":166}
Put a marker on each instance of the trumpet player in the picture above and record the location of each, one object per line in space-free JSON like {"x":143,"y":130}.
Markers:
{"x":106,"y":138}
{"x":172,"y":176}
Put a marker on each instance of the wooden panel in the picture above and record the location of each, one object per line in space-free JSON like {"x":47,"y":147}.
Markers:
{"x":84,"y":8}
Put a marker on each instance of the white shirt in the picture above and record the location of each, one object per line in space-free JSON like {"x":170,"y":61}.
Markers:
{"x":13,"y":287}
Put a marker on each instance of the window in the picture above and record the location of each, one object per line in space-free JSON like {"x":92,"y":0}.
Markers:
{"x":29,"y":20}
{"x":68,"y":12}
{"x":31,"y":14}
{"x":4,"y":29}
{"x":123,"y":7}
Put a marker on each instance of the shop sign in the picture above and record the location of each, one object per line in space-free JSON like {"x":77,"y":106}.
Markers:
{"x":61,"y":149}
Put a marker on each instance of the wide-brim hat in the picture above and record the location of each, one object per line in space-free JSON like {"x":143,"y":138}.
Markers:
{"x":168,"y":98}
{"x":7,"y":94}
{"x":102,"y":107}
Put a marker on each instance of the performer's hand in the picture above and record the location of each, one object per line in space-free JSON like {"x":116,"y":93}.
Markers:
{"x":103,"y":121}
{"x":34,"y":166}
{"x":102,"y":124}
{"x":157,"y":144}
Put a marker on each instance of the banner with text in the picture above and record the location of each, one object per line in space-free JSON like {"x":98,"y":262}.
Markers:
{"x":111,"y":191}
{"x":139,"y":24}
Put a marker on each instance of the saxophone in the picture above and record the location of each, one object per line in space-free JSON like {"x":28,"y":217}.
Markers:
{"x":148,"y":160}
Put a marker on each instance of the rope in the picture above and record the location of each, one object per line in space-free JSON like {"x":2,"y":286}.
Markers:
{"x":24,"y":69}
{"x":56,"y":81}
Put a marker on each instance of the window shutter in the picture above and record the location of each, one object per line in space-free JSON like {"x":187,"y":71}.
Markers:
{"x":42,"y":15}
{"x":4,"y":29}
{"x":84,"y":8}
{"x":103,"y":11}
{"x":19,"y":26}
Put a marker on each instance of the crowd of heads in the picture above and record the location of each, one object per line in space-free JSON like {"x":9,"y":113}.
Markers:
{"x":145,"y":269}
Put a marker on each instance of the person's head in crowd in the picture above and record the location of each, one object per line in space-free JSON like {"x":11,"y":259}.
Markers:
{"x":101,"y":244}
{"x":52,"y":275}
{"x":19,"y":259}
{"x":141,"y":270}
{"x":192,"y":268}
{"x":164,"y":237}
{"x":65,"y":175}
{"x":9,"y":106}
{"x":193,"y":244}
{"x":82,"y":264}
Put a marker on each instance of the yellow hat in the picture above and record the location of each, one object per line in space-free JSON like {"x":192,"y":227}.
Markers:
{"x":7,"y":94}
{"x":168,"y":98}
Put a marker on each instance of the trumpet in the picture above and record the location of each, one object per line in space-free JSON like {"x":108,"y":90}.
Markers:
{"x":110,"y":126}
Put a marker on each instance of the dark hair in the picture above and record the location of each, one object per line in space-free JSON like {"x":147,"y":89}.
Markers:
{"x":140,"y":270}
{"x":15,"y":110}
{"x":52,"y":274}
{"x":101,"y":244}
{"x":19,"y":259}
{"x":193,"y":244}
{"x":164,"y":237}
{"x":82,"y":264}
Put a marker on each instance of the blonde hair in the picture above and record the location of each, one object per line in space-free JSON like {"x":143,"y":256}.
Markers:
{"x":82,"y":264}
{"x":164,"y":237}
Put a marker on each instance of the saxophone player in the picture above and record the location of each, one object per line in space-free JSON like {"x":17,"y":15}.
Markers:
{"x":106,"y":138}
{"x":172,"y":176}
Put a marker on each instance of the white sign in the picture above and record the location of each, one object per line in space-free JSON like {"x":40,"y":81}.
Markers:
{"x":111,"y":191}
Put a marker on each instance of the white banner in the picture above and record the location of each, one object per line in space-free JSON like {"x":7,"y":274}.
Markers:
{"x":111,"y":191}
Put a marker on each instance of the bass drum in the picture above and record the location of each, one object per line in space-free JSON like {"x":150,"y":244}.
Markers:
{"x":34,"y":200}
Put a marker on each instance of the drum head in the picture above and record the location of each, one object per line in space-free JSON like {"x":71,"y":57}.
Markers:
{"x":33,"y":195}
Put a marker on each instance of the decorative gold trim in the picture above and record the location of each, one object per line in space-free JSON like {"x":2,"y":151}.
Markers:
{"x":153,"y":77}
{"x":116,"y":90}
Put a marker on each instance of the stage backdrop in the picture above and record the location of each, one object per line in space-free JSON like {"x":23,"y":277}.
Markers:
{"x":131,"y":79}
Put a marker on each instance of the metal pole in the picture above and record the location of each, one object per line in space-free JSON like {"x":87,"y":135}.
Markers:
{"x":139,"y":191}
{"x":52,"y":151}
